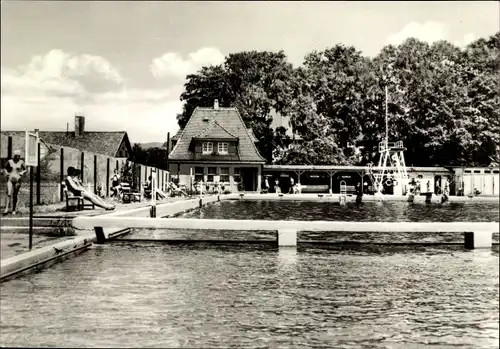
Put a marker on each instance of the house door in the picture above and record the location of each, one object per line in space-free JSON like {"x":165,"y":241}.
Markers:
{"x":249,"y":179}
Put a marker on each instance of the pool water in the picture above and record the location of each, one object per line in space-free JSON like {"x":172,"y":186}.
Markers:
{"x":158,"y":295}
{"x":389,"y":211}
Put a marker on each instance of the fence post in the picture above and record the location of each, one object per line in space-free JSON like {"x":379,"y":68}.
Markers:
{"x":38,"y":175}
{"x":107,"y":177}
{"x":9,"y":147}
{"x":95,"y":174}
{"x":140,"y":169}
{"x":61,"y":177}
{"x":82,"y":164}
{"x":168,"y":148}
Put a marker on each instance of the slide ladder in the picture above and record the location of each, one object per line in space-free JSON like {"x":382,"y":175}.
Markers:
{"x":343,"y":192}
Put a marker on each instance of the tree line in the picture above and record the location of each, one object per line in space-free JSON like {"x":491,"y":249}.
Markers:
{"x":443,"y":102}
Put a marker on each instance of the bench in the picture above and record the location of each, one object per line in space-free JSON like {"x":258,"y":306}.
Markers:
{"x":80,"y":200}
{"x":315,"y":188}
{"x":350,"y":189}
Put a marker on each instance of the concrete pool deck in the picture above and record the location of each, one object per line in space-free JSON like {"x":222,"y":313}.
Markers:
{"x":48,"y":221}
{"x":16,"y":256}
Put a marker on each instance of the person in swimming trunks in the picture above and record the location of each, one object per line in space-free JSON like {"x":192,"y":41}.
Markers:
{"x":14,"y":169}
{"x":74,"y":186}
{"x":115,"y":184}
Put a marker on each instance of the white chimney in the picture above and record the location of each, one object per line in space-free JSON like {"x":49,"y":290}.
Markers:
{"x":216,"y":104}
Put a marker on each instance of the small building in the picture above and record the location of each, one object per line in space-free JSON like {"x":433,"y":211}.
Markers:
{"x":322,"y":179}
{"x":216,"y":147}
{"x":115,"y":144}
{"x":485,"y":180}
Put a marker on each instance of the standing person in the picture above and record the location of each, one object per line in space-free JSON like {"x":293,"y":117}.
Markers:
{"x":446,"y":187}
{"x":292,"y":184}
{"x":14,"y":169}
{"x":277,"y":188}
{"x":115,"y":184}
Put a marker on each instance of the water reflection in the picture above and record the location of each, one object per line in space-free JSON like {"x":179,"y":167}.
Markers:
{"x":395,"y":211}
{"x":287,"y":257}
{"x":157,"y":295}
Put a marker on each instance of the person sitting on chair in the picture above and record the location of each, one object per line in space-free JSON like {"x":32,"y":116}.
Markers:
{"x":148,"y":188}
{"x":74,"y":186}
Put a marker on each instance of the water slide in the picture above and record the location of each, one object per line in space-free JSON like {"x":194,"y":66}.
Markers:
{"x":161,"y":194}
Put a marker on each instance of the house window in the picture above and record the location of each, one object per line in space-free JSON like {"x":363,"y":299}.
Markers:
{"x":212,"y":171}
{"x":223,"y":148}
{"x":467,"y":171}
{"x":420,"y":176}
{"x":237,"y":175}
{"x":224,"y":174}
{"x":198,"y":174}
{"x":208,"y":147}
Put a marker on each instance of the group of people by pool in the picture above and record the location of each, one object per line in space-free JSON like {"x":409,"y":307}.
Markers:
{"x":15,"y":169}
{"x":291,"y":188}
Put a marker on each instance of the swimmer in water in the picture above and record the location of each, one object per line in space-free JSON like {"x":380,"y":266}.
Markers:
{"x":15,"y":169}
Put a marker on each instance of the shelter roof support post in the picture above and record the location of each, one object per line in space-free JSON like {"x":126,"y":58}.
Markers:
{"x":331,"y":173}
{"x":299,"y":173}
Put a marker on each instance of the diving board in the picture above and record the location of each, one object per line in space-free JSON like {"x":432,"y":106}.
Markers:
{"x":287,"y":230}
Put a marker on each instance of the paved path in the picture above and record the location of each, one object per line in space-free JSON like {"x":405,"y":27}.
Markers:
{"x":14,"y":243}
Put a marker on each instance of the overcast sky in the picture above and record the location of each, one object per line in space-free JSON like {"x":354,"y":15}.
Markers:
{"x":123,"y":64}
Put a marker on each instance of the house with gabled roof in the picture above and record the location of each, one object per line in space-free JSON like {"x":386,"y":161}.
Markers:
{"x":114,"y":144}
{"x":216,"y":147}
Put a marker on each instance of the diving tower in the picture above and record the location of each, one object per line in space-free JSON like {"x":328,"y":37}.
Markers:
{"x":391,"y":169}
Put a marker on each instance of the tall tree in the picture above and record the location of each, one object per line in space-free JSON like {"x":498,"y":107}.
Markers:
{"x":254,"y":82}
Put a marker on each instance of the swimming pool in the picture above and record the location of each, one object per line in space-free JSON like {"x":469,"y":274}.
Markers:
{"x":156,"y":295}
{"x":152,"y":294}
{"x":388,"y":211}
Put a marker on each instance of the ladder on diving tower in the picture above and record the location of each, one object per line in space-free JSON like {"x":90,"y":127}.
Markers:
{"x":391,"y":159}
{"x":343,"y":192}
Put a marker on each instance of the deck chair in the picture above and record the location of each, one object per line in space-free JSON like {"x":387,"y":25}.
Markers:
{"x":128,"y":195}
{"x":177,"y":190}
{"x":146,"y":190}
{"x":80,"y":200}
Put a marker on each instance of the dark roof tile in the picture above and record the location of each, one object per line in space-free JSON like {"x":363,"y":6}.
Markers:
{"x":215,"y":131}
{"x":106,"y":143}
{"x":230,"y":120}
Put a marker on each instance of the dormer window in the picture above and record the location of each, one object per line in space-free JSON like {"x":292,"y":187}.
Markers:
{"x":223,"y":148}
{"x":208,"y":147}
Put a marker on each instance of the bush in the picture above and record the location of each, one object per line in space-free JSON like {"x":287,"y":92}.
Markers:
{"x":227,"y":191}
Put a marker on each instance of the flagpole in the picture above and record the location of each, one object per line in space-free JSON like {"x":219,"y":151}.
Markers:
{"x":386,"y":119}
